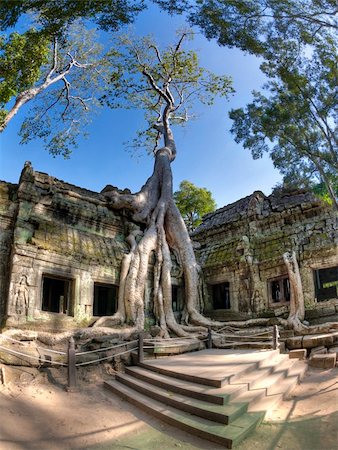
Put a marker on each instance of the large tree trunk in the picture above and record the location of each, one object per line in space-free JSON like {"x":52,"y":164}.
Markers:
{"x":164,"y":232}
{"x":297,"y":309}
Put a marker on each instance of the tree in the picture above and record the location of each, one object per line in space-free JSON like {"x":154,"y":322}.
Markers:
{"x":55,"y":16}
{"x":297,"y":40}
{"x":61,"y":78}
{"x":297,"y":123}
{"x":297,"y":308}
{"x":59,"y":64}
{"x":193,"y":203}
{"x":165,"y":84}
{"x":321,"y":191}
{"x":251,"y":24}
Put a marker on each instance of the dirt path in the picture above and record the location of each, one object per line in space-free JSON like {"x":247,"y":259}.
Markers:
{"x":36,"y":414}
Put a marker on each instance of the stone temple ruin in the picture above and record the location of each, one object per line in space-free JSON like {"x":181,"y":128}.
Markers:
{"x":61,"y":249}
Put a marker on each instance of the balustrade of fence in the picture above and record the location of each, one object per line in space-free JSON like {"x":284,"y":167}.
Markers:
{"x":141,"y":344}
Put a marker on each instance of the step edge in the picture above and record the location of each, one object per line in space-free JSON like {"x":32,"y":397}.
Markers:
{"x":185,"y":404}
{"x":168,"y":383}
{"x":192,"y":429}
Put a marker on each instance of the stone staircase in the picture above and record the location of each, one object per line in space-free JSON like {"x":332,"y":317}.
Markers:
{"x":218,"y":395}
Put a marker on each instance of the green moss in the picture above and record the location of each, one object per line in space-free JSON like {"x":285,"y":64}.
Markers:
{"x":23,"y":235}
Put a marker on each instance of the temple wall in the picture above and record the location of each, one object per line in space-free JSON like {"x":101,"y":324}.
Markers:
{"x":243,"y":244}
{"x":61,"y":249}
{"x":8,"y":211}
{"x":66,"y":236}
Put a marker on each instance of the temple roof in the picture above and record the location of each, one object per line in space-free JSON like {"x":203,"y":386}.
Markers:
{"x":256,"y":205}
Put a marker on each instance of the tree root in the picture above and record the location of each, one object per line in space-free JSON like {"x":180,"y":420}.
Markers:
{"x":63,"y":338}
{"x":165,"y":233}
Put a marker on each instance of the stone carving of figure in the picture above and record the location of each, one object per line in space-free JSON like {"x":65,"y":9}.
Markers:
{"x":251,"y":284}
{"x":21,"y":298}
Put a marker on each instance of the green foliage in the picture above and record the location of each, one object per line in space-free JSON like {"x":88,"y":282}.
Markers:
{"x":3,"y":115}
{"x":193,"y":203}
{"x":148,"y":78}
{"x":252,"y":24}
{"x":321,"y":191}
{"x":22,"y":57}
{"x":295,"y":120}
{"x":30,"y":69}
{"x":55,"y":15}
{"x":59,"y":111}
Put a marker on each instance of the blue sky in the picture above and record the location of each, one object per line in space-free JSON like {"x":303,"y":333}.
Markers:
{"x":207,"y":154}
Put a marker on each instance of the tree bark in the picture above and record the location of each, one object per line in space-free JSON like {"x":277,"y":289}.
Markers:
{"x":297,"y":309}
{"x":165,"y":232}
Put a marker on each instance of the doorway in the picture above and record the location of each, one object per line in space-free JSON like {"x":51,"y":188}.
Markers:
{"x":56,"y":295}
{"x":105,"y":299}
{"x":221,"y":295}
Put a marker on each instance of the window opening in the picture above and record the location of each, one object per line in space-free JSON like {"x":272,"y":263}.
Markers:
{"x":221,"y":296}
{"x":105,"y":299}
{"x":326,"y":283}
{"x":56,"y":295}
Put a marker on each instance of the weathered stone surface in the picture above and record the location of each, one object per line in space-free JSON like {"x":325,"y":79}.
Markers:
{"x":55,"y":228}
{"x":318,"y":351}
{"x":21,"y":355}
{"x":286,"y":333}
{"x":297,"y":354}
{"x":327,"y":361}
{"x":282,"y":347}
{"x":246,"y":240}
{"x":294,"y":342}
{"x":311,"y":341}
{"x":333,"y":350}
{"x":329,"y":311}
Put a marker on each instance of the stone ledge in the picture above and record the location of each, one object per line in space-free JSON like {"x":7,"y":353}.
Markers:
{"x":297,"y":354}
{"x":327,"y":361}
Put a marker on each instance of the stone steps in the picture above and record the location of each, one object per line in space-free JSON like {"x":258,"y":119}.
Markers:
{"x":228,"y":435}
{"x":254,"y":345}
{"x":180,"y":346}
{"x":222,"y":403}
{"x":234,"y":368}
{"x":217,"y":413}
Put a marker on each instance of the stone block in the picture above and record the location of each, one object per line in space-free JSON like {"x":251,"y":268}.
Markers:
{"x":321,"y":350}
{"x":294,"y":342}
{"x":312,"y":314}
{"x":333,"y":350}
{"x":286,"y":333}
{"x":282,"y":347}
{"x":311,"y":341}
{"x":329,"y":311}
{"x":327,"y":361}
{"x":298,"y":354}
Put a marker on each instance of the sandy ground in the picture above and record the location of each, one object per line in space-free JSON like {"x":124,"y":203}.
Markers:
{"x":37,"y":413}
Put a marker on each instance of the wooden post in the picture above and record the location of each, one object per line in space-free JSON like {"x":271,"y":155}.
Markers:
{"x":275,"y":336}
{"x":209,"y":341}
{"x":140,"y":348}
{"x":71,"y":366}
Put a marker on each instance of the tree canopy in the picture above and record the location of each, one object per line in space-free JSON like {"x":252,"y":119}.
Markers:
{"x":57,"y":63}
{"x":54,"y":16}
{"x":165,"y":83}
{"x":60,"y":79}
{"x":297,"y":40}
{"x":193,"y":202}
{"x":295,"y":120}
{"x":251,"y":25}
